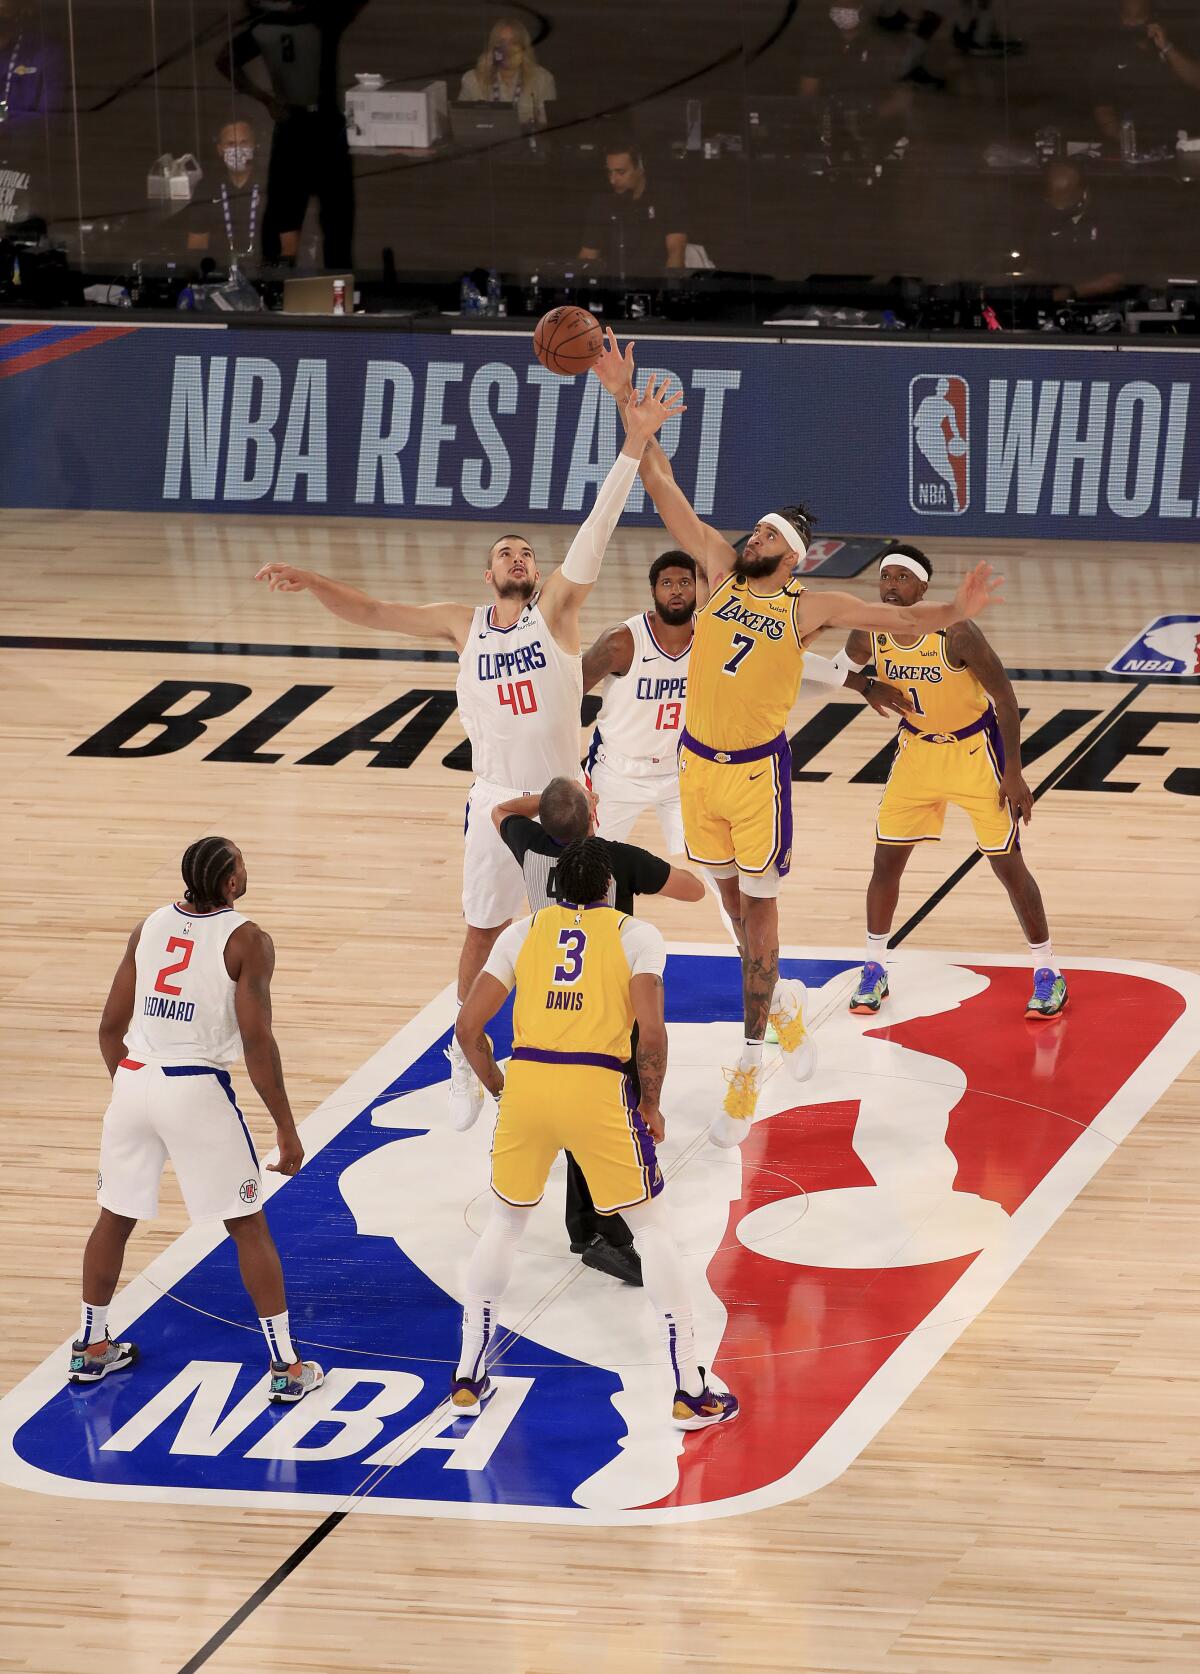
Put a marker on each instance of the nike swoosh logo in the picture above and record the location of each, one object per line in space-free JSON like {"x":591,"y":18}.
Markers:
{"x":757,"y":775}
{"x":975,"y":751}
{"x":649,"y":659}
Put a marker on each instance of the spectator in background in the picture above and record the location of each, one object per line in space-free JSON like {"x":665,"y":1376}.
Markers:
{"x":23,"y":69}
{"x":844,"y":64}
{"x":1140,"y":74}
{"x":633,"y":228}
{"x":507,"y":72}
{"x":227,"y":226}
{"x":1067,"y":246}
{"x":298,"y":42}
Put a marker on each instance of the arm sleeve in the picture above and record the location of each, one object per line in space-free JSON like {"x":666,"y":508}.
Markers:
{"x":644,"y":948}
{"x":844,"y":666}
{"x":820,"y":671}
{"x":582,"y":563}
{"x":502,"y":960}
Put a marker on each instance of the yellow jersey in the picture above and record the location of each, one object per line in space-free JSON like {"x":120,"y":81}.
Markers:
{"x":572,"y":984}
{"x":746,"y":664}
{"x":946,"y":698}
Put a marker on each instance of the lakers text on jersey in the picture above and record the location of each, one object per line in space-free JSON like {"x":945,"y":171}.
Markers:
{"x":948,"y":751}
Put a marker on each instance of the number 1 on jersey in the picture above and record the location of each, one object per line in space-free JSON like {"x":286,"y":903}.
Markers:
{"x":519,"y":696}
{"x":916,"y":702}
{"x":744,"y":645}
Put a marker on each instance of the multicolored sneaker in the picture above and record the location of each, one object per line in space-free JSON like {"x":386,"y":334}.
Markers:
{"x":731,"y":1124}
{"x":787,"y":1016}
{"x":92,"y":1361}
{"x":289,"y":1386}
{"x":872,"y":990}
{"x":469,"y":1396}
{"x":466,"y":1089}
{"x":1049,"y":993}
{"x":713,"y":1405}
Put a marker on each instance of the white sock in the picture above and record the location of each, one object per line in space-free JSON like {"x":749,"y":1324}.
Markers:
{"x":488,"y":1273}
{"x":456,"y":1051}
{"x":752,"y":1051}
{"x":1042,"y":954}
{"x":278,"y":1333}
{"x":93,"y":1322}
{"x":666,"y":1286}
{"x":877,"y":949}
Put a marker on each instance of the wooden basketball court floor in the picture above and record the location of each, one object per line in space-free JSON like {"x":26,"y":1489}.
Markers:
{"x":1032,"y":1502}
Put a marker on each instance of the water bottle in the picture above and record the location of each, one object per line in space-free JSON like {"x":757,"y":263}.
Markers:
{"x":495,"y":295}
{"x":469,"y":299}
{"x":533,"y":295}
{"x":1129,"y":149}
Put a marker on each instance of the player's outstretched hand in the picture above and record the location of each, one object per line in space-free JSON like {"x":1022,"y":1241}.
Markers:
{"x":650,"y":410}
{"x":1017,"y":794}
{"x":614,"y":369}
{"x":653,"y":1118}
{"x":887,"y":700}
{"x":976,"y":591}
{"x":285,"y":578}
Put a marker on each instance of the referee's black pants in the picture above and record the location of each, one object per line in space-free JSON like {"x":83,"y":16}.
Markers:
{"x":583,"y":1223}
{"x":310,"y":159}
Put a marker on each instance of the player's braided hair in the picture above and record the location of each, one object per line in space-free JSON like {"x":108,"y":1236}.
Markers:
{"x":582,"y":874}
{"x":206,"y":867}
{"x":801,"y":520}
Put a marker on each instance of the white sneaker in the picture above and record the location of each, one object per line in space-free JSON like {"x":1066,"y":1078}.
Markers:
{"x":787,"y":1014}
{"x":466,"y":1090}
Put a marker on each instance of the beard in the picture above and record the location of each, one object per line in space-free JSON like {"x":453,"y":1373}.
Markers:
{"x":676,"y":617}
{"x":514,"y":589}
{"x":757,"y":567}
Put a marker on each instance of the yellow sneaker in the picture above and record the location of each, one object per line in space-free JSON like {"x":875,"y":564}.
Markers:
{"x":731,"y":1124}
{"x":787,"y":1016}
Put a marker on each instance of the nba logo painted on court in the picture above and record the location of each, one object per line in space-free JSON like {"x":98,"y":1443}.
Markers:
{"x":867,"y":1220}
{"x":939,"y":421}
{"x":1168,"y":645}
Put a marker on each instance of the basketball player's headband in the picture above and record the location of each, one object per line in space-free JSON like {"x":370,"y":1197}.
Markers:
{"x":902,"y":561}
{"x":790,"y":533}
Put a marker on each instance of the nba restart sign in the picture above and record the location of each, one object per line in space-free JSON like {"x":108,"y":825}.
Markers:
{"x":888,"y":437}
{"x":867,"y":1220}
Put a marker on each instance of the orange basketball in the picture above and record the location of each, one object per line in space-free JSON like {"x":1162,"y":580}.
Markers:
{"x":568,"y":340}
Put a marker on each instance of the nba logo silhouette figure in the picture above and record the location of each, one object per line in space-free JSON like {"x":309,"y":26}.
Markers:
{"x":938,"y":458}
{"x":1170,"y":645}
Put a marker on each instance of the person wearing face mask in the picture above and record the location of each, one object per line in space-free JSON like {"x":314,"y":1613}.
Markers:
{"x":850,"y":75}
{"x":1143,"y":71}
{"x":228,"y":225}
{"x":1067,"y":245}
{"x":507,"y":72}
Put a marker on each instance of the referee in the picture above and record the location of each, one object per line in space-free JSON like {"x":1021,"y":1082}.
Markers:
{"x":564,"y":814}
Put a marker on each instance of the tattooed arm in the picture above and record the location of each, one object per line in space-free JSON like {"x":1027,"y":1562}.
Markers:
{"x":646,"y":993}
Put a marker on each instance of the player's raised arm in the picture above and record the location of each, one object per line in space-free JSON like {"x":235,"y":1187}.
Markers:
{"x":977,"y":590}
{"x":712,"y":552}
{"x":612,"y":653}
{"x":564,"y":593}
{"x":449,"y":622}
{"x":967,"y":646}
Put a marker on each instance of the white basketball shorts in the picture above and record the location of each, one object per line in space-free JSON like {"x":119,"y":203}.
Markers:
{"x":186,"y":1112}
{"x":621,"y":799}
{"x":493,"y":883}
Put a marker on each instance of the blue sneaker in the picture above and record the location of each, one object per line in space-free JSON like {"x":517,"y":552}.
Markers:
{"x":1049,"y":993}
{"x":713,"y":1405}
{"x":872,"y":990}
{"x":469,"y":1396}
{"x":91,"y":1363}
{"x":288,"y":1387}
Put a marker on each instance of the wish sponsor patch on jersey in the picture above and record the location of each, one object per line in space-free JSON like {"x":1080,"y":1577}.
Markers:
{"x":1169,"y":645}
{"x":825,"y":1284}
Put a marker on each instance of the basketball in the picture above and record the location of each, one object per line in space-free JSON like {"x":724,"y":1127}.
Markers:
{"x":568,"y":340}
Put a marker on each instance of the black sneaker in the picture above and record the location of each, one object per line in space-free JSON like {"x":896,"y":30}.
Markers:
{"x":620,"y":1261}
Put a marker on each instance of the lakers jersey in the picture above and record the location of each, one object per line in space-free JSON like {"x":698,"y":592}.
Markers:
{"x":746,"y":665}
{"x":945,"y":697}
{"x":572,"y":982}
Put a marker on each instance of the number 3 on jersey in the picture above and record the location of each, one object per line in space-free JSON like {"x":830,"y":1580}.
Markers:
{"x":519,"y":696}
{"x":744,"y":645}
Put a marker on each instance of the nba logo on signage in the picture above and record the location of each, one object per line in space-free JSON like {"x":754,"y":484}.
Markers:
{"x":939,"y":422}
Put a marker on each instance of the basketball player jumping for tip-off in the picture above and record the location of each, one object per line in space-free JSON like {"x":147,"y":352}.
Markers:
{"x":960,"y":743}
{"x":520,"y":687}
{"x":735,"y":771}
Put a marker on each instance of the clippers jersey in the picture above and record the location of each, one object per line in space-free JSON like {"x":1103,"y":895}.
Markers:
{"x":519,"y":695}
{"x":183,"y":1010}
{"x":641,"y":711}
{"x":945,"y":698}
{"x":572,"y":983}
{"x":746,"y":665}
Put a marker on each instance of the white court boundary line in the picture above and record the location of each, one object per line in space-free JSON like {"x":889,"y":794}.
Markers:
{"x":830,"y":1456}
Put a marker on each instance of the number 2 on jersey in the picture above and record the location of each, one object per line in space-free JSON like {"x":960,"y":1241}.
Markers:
{"x":744,"y":645}
{"x":519,"y":696}
{"x":161,"y":985}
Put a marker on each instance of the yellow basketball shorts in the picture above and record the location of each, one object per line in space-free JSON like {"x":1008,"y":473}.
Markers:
{"x":737,"y":812}
{"x":552,"y":1102}
{"x":927,"y":777}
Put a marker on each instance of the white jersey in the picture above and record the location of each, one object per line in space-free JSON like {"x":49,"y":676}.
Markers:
{"x":519,"y":694}
{"x":183,"y":1010}
{"x":641,"y":713}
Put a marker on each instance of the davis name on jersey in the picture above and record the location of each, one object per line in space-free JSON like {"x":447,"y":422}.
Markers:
{"x":519,"y":695}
